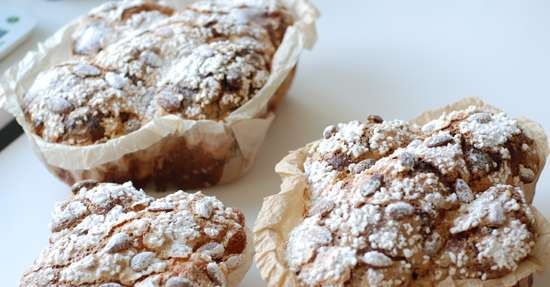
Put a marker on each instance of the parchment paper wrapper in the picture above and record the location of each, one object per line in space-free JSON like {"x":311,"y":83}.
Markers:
{"x":168,"y":150}
{"x":237,"y":275}
{"x":281,"y":212}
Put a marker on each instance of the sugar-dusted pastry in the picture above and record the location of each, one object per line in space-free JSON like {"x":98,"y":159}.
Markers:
{"x":112,"y":235}
{"x":110,"y":21}
{"x":178,"y":96}
{"x":184,"y":66}
{"x":393,"y":203}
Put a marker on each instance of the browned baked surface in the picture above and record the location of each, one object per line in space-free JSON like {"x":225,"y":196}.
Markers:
{"x":202,"y":62}
{"x":394,"y":204}
{"x":115,"y":235}
{"x":169,"y":163}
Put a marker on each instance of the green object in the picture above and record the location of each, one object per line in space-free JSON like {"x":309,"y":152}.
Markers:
{"x":12,"y":19}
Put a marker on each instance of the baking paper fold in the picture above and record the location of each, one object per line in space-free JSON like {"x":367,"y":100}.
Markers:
{"x":283,"y":211}
{"x":235,"y":140}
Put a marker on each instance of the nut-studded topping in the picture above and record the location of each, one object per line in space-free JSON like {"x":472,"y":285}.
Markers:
{"x":213,"y":57}
{"x":111,"y":284}
{"x":116,"y":230}
{"x":119,"y":242}
{"x":132,"y":125}
{"x":496,"y":216}
{"x":463,"y":191}
{"x":486,"y":130}
{"x":399,"y":209}
{"x":422,"y":205}
{"x":488,"y":209}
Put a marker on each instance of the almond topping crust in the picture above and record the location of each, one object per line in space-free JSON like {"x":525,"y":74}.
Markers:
{"x":113,"y":235}
{"x":414,"y":203}
{"x":144,"y":60}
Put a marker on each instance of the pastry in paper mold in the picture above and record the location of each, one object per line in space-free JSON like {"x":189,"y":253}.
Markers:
{"x":397,"y":203}
{"x":185,"y":99}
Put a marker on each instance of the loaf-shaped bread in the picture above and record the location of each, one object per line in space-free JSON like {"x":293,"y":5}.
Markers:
{"x":112,"y":235}
{"x":393,"y":203}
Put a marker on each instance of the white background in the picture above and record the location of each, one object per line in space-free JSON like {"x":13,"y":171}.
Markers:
{"x":392,"y":58}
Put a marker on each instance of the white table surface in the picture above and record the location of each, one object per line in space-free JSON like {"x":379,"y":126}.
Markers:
{"x":392,"y":58}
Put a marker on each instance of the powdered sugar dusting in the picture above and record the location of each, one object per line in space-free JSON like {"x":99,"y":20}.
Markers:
{"x":415,"y":200}
{"x":489,"y":130}
{"x":347,"y":139}
{"x":110,"y":21}
{"x":336,"y":267}
{"x":504,"y":248}
{"x":116,"y":234}
{"x":489,"y":208}
{"x":200,"y":62}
